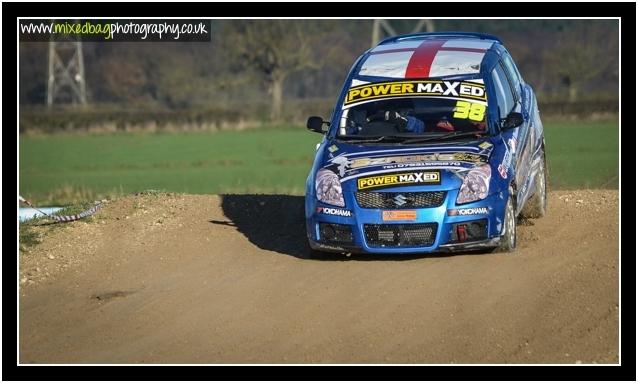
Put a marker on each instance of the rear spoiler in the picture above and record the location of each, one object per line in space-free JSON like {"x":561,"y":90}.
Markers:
{"x":415,"y":36}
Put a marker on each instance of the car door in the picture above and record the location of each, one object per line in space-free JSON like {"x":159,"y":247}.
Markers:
{"x":533,"y":129}
{"x":524,"y":137}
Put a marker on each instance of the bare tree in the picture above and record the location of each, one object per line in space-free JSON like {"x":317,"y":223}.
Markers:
{"x":583,"y":53}
{"x":380,"y":25}
{"x":275,"y":49}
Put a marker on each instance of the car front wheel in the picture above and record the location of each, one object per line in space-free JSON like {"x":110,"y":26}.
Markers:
{"x":536,"y":206}
{"x":508,"y":239}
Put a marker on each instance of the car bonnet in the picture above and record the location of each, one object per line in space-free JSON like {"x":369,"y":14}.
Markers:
{"x":351,"y":161}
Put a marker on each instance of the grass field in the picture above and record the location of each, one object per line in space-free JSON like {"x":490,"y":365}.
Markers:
{"x":582,"y":154}
{"x":65,"y":168}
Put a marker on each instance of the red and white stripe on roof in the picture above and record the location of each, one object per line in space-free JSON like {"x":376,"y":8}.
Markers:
{"x":425,"y":58}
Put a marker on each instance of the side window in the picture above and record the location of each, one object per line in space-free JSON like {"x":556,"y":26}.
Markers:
{"x":511,"y":68}
{"x":504,"y":95}
{"x":512,"y":71}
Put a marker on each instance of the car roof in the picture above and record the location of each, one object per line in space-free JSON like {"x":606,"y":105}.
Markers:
{"x":426,"y":55}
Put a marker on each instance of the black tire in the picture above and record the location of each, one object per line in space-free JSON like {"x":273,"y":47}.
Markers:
{"x":508,"y":239}
{"x":536,"y":205}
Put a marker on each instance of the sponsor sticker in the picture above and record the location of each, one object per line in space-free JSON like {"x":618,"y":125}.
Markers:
{"x":512,"y":144}
{"x":334,"y":211}
{"x":411,"y":178}
{"x":468,"y":211}
{"x":485,"y":145}
{"x":504,"y":166}
{"x":507,"y":159}
{"x":524,"y":188}
{"x":330,"y":247}
{"x":502,"y":171}
{"x":342,"y":164}
{"x":417,"y":88}
{"x":333,"y":148}
{"x":399,"y":215}
{"x":460,"y":156}
{"x":437,"y":164}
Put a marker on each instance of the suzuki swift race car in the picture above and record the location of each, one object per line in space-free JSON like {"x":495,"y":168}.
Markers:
{"x":436,"y":144}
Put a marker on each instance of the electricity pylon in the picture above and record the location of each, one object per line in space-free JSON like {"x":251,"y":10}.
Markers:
{"x":66,"y":82}
{"x":380,"y":26}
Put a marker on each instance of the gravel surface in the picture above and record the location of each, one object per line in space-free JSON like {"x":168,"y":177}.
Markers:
{"x":172,"y":278}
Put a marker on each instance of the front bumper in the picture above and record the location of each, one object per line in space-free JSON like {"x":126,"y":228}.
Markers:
{"x":450,"y":247}
{"x":445,"y":238}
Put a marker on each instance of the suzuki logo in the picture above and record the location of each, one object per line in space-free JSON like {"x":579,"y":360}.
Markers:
{"x":400,"y":200}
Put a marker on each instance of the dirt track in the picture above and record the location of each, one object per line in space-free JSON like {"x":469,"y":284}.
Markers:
{"x":208,"y":279}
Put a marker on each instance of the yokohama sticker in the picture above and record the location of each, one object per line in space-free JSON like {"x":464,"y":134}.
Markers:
{"x":334,"y":211}
{"x":468,"y":211}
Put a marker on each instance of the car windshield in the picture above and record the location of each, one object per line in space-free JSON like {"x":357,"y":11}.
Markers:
{"x":414,"y":116}
{"x":402,"y":110}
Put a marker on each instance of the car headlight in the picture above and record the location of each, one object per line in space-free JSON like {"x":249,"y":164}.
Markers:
{"x":475,"y":185}
{"x":328,"y":188}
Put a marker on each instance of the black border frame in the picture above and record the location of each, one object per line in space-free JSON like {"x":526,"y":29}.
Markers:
{"x":625,"y":371}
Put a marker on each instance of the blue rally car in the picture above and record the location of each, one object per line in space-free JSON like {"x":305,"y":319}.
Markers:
{"x":435,"y":144}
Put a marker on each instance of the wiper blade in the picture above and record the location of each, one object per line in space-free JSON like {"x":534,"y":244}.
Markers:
{"x":356,"y":140}
{"x":444,"y":137}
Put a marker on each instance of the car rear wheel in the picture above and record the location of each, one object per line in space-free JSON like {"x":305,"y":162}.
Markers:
{"x":536,"y":205}
{"x":508,"y":239}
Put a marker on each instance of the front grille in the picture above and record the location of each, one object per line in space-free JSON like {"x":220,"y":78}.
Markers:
{"x":416,"y":234}
{"x":380,"y":200}
{"x":335,"y":233}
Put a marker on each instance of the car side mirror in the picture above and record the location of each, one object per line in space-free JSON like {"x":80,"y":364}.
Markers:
{"x":513,"y":120}
{"x":316,"y":124}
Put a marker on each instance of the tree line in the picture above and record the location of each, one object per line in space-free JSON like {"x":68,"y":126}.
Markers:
{"x":272,"y":61}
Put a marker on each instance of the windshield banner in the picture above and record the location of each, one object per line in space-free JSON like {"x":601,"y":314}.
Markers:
{"x":461,"y":90}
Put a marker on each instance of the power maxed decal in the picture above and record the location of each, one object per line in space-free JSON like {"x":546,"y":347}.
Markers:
{"x":417,"y":88}
{"x":397,"y":179}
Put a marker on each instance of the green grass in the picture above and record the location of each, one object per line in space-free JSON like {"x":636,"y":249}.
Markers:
{"x":582,"y":154}
{"x":69,"y":168}
{"x":28,"y":237}
{"x":64,"y":168}
{"x":32,"y":231}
